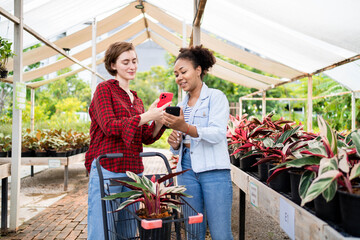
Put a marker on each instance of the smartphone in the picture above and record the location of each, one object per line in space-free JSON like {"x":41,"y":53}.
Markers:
{"x":173,"y":110}
{"x":165,"y":97}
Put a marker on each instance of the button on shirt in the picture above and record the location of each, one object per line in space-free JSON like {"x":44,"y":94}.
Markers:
{"x":114,"y":128}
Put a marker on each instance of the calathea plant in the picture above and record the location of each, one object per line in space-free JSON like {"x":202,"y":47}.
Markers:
{"x":154,"y":194}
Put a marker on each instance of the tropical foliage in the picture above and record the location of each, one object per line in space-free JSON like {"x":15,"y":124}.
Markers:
{"x":154,"y":194}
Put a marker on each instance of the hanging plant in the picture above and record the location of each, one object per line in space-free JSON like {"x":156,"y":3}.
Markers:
{"x":5,"y":54}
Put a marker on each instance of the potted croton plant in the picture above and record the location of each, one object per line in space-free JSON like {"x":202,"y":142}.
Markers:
{"x":157,"y":200}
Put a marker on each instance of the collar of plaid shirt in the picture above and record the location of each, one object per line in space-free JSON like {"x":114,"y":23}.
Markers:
{"x":114,"y":128}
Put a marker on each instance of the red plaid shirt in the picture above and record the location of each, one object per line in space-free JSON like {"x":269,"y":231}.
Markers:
{"x":114,"y":129}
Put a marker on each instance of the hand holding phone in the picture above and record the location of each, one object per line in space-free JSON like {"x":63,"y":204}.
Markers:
{"x":173,"y":110}
{"x":165,"y":98}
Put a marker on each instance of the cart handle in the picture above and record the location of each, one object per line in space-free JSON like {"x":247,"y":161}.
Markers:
{"x":196,"y":219}
{"x":101,"y":177}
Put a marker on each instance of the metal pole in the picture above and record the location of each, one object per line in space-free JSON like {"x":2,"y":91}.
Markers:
{"x":242,"y":199}
{"x":353,"y":111}
{"x":196,"y":29}
{"x":4,"y":205}
{"x":17,"y":123}
{"x":181,"y":93}
{"x":309,"y":103}
{"x":263,"y":104}
{"x":32,"y":112}
{"x":240,"y":108}
{"x":93,"y":75}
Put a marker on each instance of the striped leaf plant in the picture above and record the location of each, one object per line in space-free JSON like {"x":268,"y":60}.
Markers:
{"x":154,"y":194}
{"x":339,"y":165}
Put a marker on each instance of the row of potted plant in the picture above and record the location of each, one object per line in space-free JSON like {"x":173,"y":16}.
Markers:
{"x":321,"y":169}
{"x":44,"y":143}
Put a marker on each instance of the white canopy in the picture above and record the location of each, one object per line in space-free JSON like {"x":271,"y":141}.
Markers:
{"x":288,"y":39}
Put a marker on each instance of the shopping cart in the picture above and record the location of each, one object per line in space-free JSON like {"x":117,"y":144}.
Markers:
{"x":125,"y":224}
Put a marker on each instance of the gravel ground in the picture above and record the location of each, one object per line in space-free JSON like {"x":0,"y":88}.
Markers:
{"x":49,"y":184}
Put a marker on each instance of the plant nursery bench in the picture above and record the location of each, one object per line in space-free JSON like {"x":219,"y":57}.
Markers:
{"x":296,"y":221}
{"x":5,"y":172}
{"x":52,"y":162}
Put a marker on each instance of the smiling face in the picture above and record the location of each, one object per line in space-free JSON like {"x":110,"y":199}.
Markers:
{"x":186,"y":76}
{"x":126,"y":65}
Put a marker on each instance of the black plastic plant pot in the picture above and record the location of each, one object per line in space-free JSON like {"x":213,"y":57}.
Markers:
{"x":3,"y":154}
{"x":350,"y":211}
{"x":246,"y":164}
{"x":162,"y":233}
{"x":295,"y":177}
{"x":60,"y":154}
{"x":3,"y":73}
{"x":40,"y":154}
{"x":328,"y":211}
{"x":236,"y":161}
{"x":280,"y":183}
{"x":28,"y":154}
{"x":263,"y":171}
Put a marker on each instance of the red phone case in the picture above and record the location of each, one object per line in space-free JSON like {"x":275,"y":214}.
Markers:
{"x":165,"y":97}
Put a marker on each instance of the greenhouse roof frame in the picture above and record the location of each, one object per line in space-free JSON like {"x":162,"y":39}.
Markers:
{"x":163,"y":27}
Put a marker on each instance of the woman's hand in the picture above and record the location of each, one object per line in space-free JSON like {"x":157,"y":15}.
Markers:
{"x":175,"y":139}
{"x":154,"y":113}
{"x":174,"y":122}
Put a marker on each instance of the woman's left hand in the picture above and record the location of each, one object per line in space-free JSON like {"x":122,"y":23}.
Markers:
{"x":175,"y":122}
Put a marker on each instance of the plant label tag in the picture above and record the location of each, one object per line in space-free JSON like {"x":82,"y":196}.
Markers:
{"x":253,"y":194}
{"x":54,"y":163}
{"x":20,"y":95}
{"x":287,"y":218}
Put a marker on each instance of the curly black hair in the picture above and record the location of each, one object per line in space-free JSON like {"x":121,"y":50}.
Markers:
{"x":199,"y":56}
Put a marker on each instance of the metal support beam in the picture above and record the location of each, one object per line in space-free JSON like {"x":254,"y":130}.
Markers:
{"x":242,"y":201}
{"x":93,"y":67}
{"x":17,"y":123}
{"x":263,"y":104}
{"x":32,"y":111}
{"x":240,"y":108}
{"x":353,"y":112}
{"x":309,"y":103}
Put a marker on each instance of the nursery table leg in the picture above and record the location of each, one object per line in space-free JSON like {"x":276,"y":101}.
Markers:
{"x":242,"y":202}
{"x":32,"y":170}
{"x":4,"y":205}
{"x":66,"y":175}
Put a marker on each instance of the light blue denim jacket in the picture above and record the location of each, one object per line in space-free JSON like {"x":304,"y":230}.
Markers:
{"x":210,"y":115}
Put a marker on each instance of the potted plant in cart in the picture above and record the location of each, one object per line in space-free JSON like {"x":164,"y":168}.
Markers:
{"x":156,"y":197}
{"x":5,"y":54}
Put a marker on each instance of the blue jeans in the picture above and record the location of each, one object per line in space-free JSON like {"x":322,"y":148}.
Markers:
{"x":212,"y":192}
{"x":125,"y":228}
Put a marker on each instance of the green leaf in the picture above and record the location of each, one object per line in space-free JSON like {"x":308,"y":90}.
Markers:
{"x":300,"y":162}
{"x":330,"y":192}
{"x":343,"y":161}
{"x":319,"y":185}
{"x":355,"y":136}
{"x":327,"y":133}
{"x":123,"y":195}
{"x":355,"y":171}
{"x":287,"y":134}
{"x":305,"y":181}
{"x":268,"y":142}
